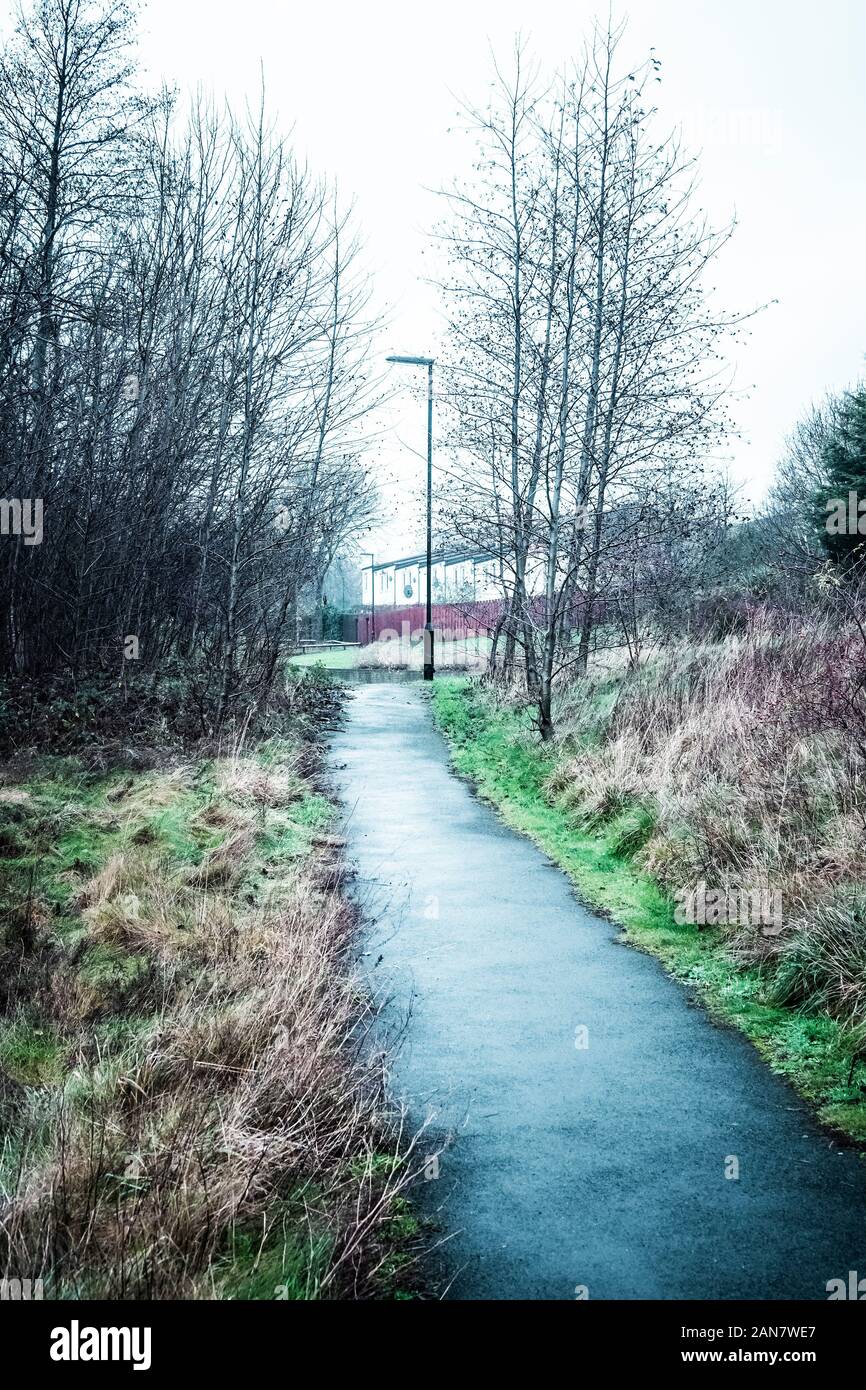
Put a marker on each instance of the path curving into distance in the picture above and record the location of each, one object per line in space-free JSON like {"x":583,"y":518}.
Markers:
{"x":604,"y":1166}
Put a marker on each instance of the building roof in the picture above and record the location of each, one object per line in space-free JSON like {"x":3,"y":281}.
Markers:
{"x":448,"y":557}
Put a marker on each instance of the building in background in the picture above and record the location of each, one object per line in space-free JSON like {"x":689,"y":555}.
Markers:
{"x":467,"y":598}
{"x":458,"y":576}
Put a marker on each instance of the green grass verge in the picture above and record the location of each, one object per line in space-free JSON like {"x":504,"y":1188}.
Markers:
{"x":340,"y":659}
{"x":456,"y":654}
{"x":500,"y":753}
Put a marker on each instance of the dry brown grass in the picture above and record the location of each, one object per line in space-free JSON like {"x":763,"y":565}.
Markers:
{"x":247,"y":783}
{"x":220,"y":1125}
{"x":739,"y":772}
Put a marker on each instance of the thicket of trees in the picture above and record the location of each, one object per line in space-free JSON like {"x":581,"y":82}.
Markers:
{"x":184,"y":329}
{"x":840,"y":500}
{"x":587,"y":393}
{"x":810,"y":537}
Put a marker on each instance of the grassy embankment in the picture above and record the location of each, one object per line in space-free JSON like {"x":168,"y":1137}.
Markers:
{"x":689,"y":771}
{"x":187,"y":1107}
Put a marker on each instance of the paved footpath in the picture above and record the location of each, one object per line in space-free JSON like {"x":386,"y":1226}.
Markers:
{"x":600,"y":1166}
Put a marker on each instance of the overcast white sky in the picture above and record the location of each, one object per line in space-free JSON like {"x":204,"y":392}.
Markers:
{"x":772,"y":90}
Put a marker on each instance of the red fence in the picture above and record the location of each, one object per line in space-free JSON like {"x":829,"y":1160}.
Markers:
{"x":459,"y":620}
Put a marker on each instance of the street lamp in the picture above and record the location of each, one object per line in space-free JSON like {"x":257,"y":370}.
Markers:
{"x":372,"y":590}
{"x":429,"y":666}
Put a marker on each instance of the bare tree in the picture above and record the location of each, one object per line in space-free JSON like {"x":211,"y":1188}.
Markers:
{"x":586,"y":363}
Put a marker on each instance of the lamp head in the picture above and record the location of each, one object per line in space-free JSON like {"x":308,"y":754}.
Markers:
{"x":413,"y":361}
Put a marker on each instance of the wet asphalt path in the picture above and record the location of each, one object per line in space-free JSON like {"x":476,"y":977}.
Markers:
{"x":604,"y":1166}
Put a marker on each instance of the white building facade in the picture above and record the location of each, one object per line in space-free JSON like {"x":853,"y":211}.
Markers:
{"x":457,"y":577}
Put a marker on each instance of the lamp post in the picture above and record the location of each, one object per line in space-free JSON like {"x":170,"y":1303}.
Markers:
{"x":372,"y":590}
{"x":429,"y":664}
